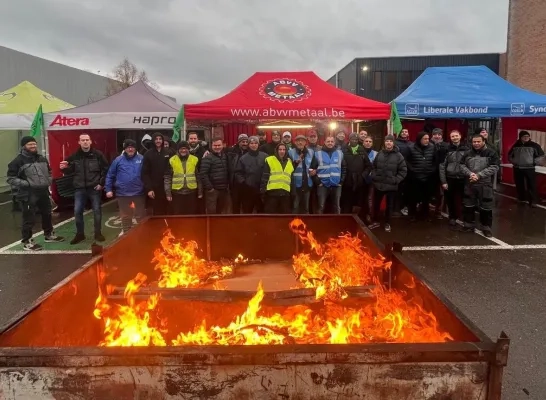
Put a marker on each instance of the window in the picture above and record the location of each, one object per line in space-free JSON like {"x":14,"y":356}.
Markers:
{"x":391,"y":80}
{"x":377,"y":80}
{"x":406,"y":79}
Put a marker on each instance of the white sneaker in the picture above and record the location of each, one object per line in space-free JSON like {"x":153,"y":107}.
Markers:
{"x":31,"y":246}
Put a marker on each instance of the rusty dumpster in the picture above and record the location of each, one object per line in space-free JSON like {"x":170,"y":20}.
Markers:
{"x":51,"y":349}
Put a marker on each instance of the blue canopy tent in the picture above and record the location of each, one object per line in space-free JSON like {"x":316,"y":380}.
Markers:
{"x":467,"y":92}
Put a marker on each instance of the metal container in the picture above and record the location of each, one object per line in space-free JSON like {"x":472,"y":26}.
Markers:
{"x":50,"y":350}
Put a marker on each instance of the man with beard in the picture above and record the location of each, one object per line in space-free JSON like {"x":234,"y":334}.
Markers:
{"x":269,"y":148}
{"x":305,"y":165}
{"x":199,"y":150}
{"x":479,"y":165}
{"x":262,"y":137}
{"x":312,"y":139}
{"x":524,"y":156}
{"x":234,"y":154}
{"x":154,"y":166}
{"x":423,"y":167}
{"x":331,"y":172}
{"x":181,"y":181}
{"x":362,"y":135}
{"x":404,"y":145}
{"x":452,"y":177}
{"x":276,"y":182}
{"x":30,"y":173}
{"x":358,"y":169}
{"x":214,"y":174}
{"x":340,"y":140}
{"x":441,"y":150}
{"x":248,"y":176}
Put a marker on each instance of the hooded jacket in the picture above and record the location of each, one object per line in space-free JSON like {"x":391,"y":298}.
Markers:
{"x":29,"y":172}
{"x":359,"y":167}
{"x":154,"y":165}
{"x":451,"y":167}
{"x":389,"y":170}
{"x":422,"y":161}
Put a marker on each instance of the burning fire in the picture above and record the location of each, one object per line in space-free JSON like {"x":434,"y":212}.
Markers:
{"x":386,"y":316}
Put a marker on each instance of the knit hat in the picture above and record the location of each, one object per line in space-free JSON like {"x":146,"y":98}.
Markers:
{"x":183,"y":144}
{"x":254,"y":139}
{"x":353,"y":135}
{"x":524,"y":133}
{"x":242,"y":136}
{"x":27,"y":139}
{"x":285,"y":134}
{"x":129,"y":143}
{"x":301,"y":137}
{"x":389,"y":137}
{"x":437,"y":131}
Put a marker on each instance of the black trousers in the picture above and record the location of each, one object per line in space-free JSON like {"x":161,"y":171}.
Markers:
{"x":277,"y":204}
{"x":160,"y":205}
{"x":251,"y":200}
{"x":350,"y":197}
{"x":454,"y":196}
{"x":36,"y":201}
{"x":526,"y":184}
{"x":216,"y":201}
{"x":185,"y":204}
{"x":378,"y":198}
{"x":420,"y":191}
{"x":402,"y":195}
{"x":236,"y":198}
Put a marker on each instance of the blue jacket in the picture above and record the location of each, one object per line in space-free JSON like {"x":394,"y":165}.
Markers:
{"x":331,"y":170}
{"x":123,"y":177}
{"x":298,"y":171}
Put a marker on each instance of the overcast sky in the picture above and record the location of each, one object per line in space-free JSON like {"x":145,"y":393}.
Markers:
{"x":200,"y":49}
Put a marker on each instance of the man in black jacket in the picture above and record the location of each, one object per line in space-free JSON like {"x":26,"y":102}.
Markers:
{"x":358,"y":169}
{"x":248,"y":176}
{"x":234,"y":154}
{"x":451,"y":176}
{"x":214,"y":175}
{"x":269,"y":148}
{"x":404,"y":145}
{"x":423,"y":168}
{"x":89,"y":168}
{"x":30,"y":173}
{"x":479,"y":165}
{"x":154,"y":165}
{"x":441,"y":151}
{"x":524,"y":156}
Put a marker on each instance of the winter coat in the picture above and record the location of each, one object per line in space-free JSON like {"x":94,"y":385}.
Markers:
{"x":214,"y":171}
{"x":234,"y":154}
{"x":422,"y":162}
{"x":268,"y":148}
{"x":389,"y":170}
{"x":29,"y":173}
{"x":358,"y":167}
{"x":200,"y":150}
{"x":441,"y":151}
{"x":485,"y":163}
{"x":404,"y":147}
{"x":124,"y":176}
{"x":154,"y":165}
{"x":451,"y":167}
{"x":89,"y":168}
{"x":250,"y":168}
{"x":525,"y":155}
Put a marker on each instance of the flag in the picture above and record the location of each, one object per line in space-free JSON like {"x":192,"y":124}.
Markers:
{"x":395,"y":120}
{"x":178,"y":124}
{"x":38,"y":123}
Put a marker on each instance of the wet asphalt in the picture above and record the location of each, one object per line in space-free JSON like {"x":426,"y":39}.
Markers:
{"x":498,"y":289}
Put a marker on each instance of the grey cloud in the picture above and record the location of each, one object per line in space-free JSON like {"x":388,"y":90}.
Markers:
{"x":198,"y":50}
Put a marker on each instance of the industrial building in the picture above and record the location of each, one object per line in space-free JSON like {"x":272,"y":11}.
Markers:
{"x":384,"y":78}
{"x":73,"y":85}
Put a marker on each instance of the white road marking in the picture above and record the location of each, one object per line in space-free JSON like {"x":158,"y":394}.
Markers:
{"x":66,"y":221}
{"x":513,"y":198}
{"x":20,"y":252}
{"x":477,"y":231}
{"x":5,"y":202}
{"x":461,"y":248}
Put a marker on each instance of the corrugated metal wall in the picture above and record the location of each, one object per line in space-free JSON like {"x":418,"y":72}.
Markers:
{"x":69,"y":84}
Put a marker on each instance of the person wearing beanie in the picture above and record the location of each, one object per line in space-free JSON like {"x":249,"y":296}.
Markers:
{"x":389,"y":170}
{"x":88,"y":168}
{"x":423,"y":169}
{"x":154,"y":166}
{"x":248,"y":177}
{"x":234,"y":154}
{"x":124,"y":180}
{"x":359,"y":167}
{"x":305,"y":167}
{"x":441,"y":151}
{"x":182,"y":186}
{"x":479,"y":165}
{"x":525,"y":155}
{"x":331,"y":173}
{"x":269,"y":148}
{"x":30,"y":174}
{"x":276,"y":182}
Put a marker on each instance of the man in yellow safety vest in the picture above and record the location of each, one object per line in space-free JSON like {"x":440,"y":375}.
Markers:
{"x":276,"y":181}
{"x":181,"y":183}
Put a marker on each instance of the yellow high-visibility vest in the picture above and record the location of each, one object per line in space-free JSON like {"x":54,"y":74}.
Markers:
{"x":180,"y":175}
{"x":279,"y":178}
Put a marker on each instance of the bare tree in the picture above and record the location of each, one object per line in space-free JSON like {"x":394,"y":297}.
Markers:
{"x":124,"y":75}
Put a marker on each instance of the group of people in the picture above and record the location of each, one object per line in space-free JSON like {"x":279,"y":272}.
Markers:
{"x":282,"y":176}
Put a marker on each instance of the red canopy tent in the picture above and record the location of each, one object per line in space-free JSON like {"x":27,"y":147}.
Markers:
{"x":267,"y":96}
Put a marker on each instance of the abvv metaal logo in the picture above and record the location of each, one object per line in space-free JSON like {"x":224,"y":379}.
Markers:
{"x":412,"y":109}
{"x":285,"y":90}
{"x":517,"y":109}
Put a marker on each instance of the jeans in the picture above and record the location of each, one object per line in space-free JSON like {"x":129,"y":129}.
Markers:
{"x":130,"y":206}
{"x":300,"y":204}
{"x":80,"y":200}
{"x":36,"y":200}
{"x":333,"y":194}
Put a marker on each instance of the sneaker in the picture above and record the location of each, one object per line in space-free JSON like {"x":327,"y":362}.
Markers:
{"x":78,"y":238}
{"x":52,"y":238}
{"x":387,"y":227}
{"x":99,"y":237}
{"x":374,"y":225}
{"x":487,"y":233}
{"x":404,"y":211}
{"x":31,"y":246}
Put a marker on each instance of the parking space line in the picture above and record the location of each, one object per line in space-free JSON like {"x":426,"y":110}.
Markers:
{"x":20,"y":252}
{"x":5,"y":202}
{"x":478,"y":232}
{"x":513,"y":198}
{"x":486,"y":247}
